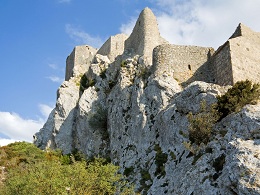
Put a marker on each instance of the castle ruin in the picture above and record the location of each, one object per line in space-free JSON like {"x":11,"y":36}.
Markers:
{"x":237,"y":59}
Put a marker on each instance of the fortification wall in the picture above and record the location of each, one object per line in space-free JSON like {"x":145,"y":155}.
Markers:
{"x":79,"y":59}
{"x":222,"y":69}
{"x":185,"y":63}
{"x":245,"y":59}
{"x":113,"y":47}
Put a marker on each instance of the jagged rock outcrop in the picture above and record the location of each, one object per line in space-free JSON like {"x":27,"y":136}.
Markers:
{"x":124,"y":108}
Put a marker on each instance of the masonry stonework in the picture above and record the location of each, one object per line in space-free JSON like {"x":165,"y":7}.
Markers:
{"x":77,"y":61}
{"x":145,"y":36}
{"x":222,"y":69}
{"x":184,"y":63}
{"x":113,"y":47}
{"x":237,"y":59}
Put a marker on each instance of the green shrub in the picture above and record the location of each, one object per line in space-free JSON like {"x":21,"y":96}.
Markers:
{"x":201,"y":124}
{"x":242,"y":93}
{"x":51,"y":176}
{"x":128,"y":171}
{"x":20,"y":152}
{"x":160,"y":159}
{"x":144,"y":72}
{"x":86,"y":82}
{"x":83,"y":82}
{"x":123,"y":64}
{"x":145,"y":177}
{"x":98,"y":119}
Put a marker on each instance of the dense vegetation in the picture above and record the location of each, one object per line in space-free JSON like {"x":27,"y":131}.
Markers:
{"x":201,"y":124}
{"x":242,"y":93}
{"x":30,"y":170}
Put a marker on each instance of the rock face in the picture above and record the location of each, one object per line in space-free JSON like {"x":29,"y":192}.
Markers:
{"x":135,"y":113}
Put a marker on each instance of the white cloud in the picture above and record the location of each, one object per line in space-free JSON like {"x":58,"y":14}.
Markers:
{"x":128,"y":27}
{"x":4,"y":142}
{"x":82,"y":37}
{"x":18,"y":128}
{"x":45,"y":110}
{"x":55,"y":79}
{"x":202,"y":22}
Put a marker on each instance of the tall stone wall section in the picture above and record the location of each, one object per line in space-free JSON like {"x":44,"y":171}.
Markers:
{"x":77,"y":61}
{"x":113,"y":47}
{"x":184,"y":63}
{"x":239,"y":58}
{"x":245,"y":59}
{"x":222,"y":68}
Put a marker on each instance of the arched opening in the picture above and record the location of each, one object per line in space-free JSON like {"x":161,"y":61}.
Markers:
{"x":189,"y":67}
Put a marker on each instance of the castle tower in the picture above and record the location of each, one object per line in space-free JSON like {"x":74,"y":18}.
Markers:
{"x":238,"y":58}
{"x":145,"y":36}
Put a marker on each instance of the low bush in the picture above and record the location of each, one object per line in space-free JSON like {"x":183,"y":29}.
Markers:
{"x":201,"y":124}
{"x":242,"y":93}
{"x":50,"y":175}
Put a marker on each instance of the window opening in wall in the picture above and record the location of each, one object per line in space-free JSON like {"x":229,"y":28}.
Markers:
{"x":139,"y":23}
{"x":189,"y":67}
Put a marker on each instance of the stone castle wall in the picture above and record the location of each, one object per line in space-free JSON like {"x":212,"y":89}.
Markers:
{"x":222,"y":69}
{"x":245,"y":59}
{"x":113,"y":47}
{"x":77,"y":61}
{"x":184,"y":63}
{"x":237,"y":59}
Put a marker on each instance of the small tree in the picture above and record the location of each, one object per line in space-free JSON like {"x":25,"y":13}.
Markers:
{"x":201,"y":124}
{"x":242,"y":93}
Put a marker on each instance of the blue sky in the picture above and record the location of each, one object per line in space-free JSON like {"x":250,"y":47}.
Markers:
{"x":36,"y":36}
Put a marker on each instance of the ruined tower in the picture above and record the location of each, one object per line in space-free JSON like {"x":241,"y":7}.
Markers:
{"x":238,"y":58}
{"x":77,"y":61}
{"x":113,"y":47}
{"x":145,"y":36}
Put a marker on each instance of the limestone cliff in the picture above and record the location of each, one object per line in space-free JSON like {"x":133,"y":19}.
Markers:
{"x":133,"y":112}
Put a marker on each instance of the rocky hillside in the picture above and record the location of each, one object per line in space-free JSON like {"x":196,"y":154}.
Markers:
{"x":124,"y":110}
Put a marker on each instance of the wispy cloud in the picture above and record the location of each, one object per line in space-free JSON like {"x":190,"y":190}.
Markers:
{"x":18,"y":128}
{"x":53,"y":66}
{"x":55,"y":79}
{"x":45,"y":110}
{"x":81,"y":37}
{"x":202,"y":22}
{"x":128,"y":27}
